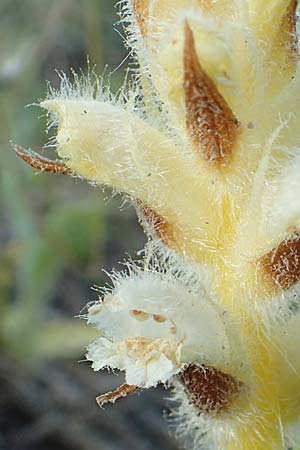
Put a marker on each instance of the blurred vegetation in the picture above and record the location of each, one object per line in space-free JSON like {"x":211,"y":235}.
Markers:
{"x":55,"y":233}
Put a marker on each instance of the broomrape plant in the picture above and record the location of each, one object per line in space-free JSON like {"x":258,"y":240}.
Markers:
{"x":205,"y":143}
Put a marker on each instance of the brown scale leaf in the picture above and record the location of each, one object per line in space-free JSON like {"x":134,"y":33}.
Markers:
{"x":120,"y":392}
{"x":288,"y":33}
{"x":43,"y":164}
{"x":209,"y":389}
{"x":210,"y":122}
{"x":141,"y":12}
{"x":161,"y":226}
{"x":282,"y":264}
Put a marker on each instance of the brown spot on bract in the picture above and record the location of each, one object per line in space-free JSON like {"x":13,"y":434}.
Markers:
{"x":112,"y":397}
{"x":42,"y":164}
{"x":209,"y":389}
{"x":210,"y":122}
{"x":141,"y":12}
{"x":282,"y":264}
{"x":161,"y":226}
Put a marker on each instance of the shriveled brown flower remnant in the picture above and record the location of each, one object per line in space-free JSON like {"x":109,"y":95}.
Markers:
{"x":112,"y":397}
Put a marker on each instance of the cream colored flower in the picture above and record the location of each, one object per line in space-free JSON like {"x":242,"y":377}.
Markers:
{"x":153,"y":326}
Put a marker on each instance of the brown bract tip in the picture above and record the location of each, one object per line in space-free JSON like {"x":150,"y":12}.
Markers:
{"x":209,"y":389}
{"x":162,"y":228}
{"x":43,"y":164}
{"x":112,"y":397}
{"x":210,"y":122}
{"x":141,"y":12}
{"x":282,"y":264}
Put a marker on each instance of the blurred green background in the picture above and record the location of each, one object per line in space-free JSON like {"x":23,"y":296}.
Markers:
{"x":56,"y":233}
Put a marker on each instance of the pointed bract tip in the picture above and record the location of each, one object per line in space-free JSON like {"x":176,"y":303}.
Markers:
{"x":35,"y":160}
